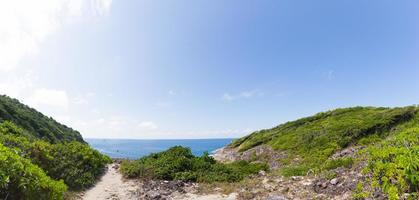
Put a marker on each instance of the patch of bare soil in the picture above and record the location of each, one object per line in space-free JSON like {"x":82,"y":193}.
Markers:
{"x":112,"y":186}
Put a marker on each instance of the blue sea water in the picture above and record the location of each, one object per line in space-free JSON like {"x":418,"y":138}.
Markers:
{"x":133,"y":149}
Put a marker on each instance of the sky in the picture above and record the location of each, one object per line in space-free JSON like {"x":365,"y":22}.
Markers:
{"x":153,"y":69}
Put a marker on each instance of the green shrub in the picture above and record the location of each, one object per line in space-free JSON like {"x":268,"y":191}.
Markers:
{"x":359,"y":192}
{"x":299,"y":170}
{"x":394,"y":164}
{"x":340,"y":162}
{"x":20,"y":179}
{"x":75,"y":163}
{"x":178,"y":163}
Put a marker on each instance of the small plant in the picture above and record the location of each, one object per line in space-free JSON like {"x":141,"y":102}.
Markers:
{"x":298,"y":170}
{"x":340,"y":162}
{"x":359,"y":194}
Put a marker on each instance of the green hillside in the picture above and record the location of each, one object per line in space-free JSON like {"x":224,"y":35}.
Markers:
{"x":35,"y":123}
{"x":329,"y":131}
{"x":389,"y":137}
{"x":40,"y":158}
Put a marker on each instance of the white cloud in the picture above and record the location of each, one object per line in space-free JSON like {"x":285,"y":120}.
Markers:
{"x":25,"y":24}
{"x":16,"y":84}
{"x":80,"y":101}
{"x":329,"y":75}
{"x":171,"y":93}
{"x":148,"y":125}
{"x":164,"y":104}
{"x":47,"y":97}
{"x":243,"y":95}
{"x":228,"y":97}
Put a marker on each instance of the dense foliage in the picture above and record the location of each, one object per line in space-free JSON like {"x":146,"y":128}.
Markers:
{"x":35,"y":123}
{"x":20,"y":179}
{"x":393,"y":164}
{"x":310,"y":141}
{"x":178,"y":163}
{"x":75,"y":164}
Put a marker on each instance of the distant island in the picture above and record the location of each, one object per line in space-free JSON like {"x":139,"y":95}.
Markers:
{"x":348,"y":153}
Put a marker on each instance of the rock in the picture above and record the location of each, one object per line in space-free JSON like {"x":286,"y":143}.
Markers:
{"x":307,"y":182}
{"x":262,"y":173}
{"x":297,"y":178}
{"x":334,"y":181}
{"x":261,"y":153}
{"x":350,"y":151}
{"x":324,"y":185}
{"x":276,"y":197}
{"x":154,"y":195}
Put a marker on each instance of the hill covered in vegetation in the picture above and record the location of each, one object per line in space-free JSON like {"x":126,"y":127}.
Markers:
{"x":385,"y":142}
{"x":34,"y":123}
{"x":40,"y":158}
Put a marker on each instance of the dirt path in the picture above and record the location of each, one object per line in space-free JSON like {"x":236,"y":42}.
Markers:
{"x":112,"y":186}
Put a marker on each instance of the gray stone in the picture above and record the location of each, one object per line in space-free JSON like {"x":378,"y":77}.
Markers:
{"x":334,"y":181}
{"x":262,"y":173}
{"x":276,"y":197}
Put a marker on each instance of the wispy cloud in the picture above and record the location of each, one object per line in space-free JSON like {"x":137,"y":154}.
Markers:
{"x":329,"y":75}
{"x":149,"y":125}
{"x":171,"y":92}
{"x":80,"y":100}
{"x":242,"y":95}
{"x":47,"y":97}
{"x":24,"y":25}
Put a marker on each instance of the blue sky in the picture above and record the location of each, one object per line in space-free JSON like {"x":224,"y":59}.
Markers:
{"x":206,"y":69}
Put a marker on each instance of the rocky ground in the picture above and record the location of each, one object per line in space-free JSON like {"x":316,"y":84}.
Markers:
{"x":276,"y":187}
{"x":261,"y":153}
{"x":264,"y":186}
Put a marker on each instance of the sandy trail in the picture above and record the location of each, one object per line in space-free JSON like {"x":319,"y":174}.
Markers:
{"x":206,"y":197}
{"x":112,"y":186}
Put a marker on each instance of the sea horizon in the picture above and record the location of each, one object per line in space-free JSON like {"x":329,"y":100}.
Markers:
{"x":136,"y":148}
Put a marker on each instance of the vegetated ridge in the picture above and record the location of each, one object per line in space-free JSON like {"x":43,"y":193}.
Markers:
{"x":34,"y":123}
{"x":388,"y":137}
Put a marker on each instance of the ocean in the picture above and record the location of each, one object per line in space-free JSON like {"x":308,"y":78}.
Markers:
{"x":133,"y":149}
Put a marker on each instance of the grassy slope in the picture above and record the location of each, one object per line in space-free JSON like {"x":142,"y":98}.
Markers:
{"x":35,"y":123}
{"x":314,"y":139}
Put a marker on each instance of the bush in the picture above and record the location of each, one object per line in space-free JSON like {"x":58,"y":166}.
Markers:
{"x":20,"y":179}
{"x":299,"y":170}
{"x":75,"y":163}
{"x":340,"y":162}
{"x":394,"y":164}
{"x":178,"y":163}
